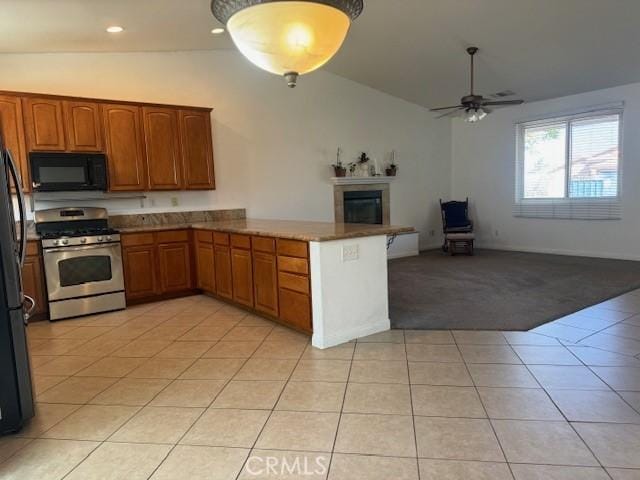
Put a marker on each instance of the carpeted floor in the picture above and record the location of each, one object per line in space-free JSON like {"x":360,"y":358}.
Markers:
{"x":498,"y":290}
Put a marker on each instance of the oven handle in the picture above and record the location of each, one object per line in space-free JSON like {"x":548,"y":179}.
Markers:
{"x":81,"y":249}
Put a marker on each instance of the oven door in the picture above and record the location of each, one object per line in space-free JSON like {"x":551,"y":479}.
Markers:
{"x":74,"y":272}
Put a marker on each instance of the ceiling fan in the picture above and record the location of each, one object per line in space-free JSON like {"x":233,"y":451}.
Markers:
{"x":474,"y":106}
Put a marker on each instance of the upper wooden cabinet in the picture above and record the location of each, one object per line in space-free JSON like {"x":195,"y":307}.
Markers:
{"x":197,"y":149}
{"x":43,"y":120}
{"x":83,"y":126}
{"x":12,"y":133}
{"x":162,"y":144}
{"x":125,"y":147}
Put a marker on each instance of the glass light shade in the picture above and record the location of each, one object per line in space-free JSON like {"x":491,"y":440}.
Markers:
{"x":474,"y":115}
{"x":289,"y":37}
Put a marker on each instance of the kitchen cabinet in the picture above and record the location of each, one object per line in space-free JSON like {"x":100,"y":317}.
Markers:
{"x":265,"y":283}
{"x":124,"y":141}
{"x":175,"y":266}
{"x":139,"y":265}
{"x":222,"y":262}
{"x":43,"y":122}
{"x":294,"y":291}
{"x":205,"y":266}
{"x":33,"y":281}
{"x":197,"y":149}
{"x":83,"y":126}
{"x":242,"y":269}
{"x":162,"y":144}
{"x":12,"y":133}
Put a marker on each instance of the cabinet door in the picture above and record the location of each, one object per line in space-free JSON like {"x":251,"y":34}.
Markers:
{"x":139,"y":265}
{"x":175,"y":267}
{"x":44,"y":125}
{"x":197,"y":149}
{"x":163,"y":148}
{"x":33,"y":284}
{"x":125,"y":147}
{"x":83,"y":126}
{"x":242,"y":272}
{"x":12,"y":133}
{"x":265,"y":283}
{"x":222,"y":261}
{"x":295,"y":309}
{"x":206,"y":269}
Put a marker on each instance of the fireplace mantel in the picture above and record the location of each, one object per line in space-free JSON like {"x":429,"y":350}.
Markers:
{"x":361,"y":180}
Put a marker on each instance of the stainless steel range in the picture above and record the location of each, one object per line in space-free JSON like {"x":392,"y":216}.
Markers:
{"x":82,"y":261}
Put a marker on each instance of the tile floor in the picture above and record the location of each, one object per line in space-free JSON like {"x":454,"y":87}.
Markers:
{"x":196,"y":389}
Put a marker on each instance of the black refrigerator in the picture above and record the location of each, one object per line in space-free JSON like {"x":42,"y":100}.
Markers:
{"x":16,"y":394}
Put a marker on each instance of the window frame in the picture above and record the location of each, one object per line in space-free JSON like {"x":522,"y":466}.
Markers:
{"x":567,"y":120}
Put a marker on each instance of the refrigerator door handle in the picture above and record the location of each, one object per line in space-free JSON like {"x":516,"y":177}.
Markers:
{"x":21,"y":206}
{"x":27,"y":313}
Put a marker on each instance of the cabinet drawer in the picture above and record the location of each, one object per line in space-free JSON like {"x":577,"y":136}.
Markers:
{"x":220,"y":238}
{"x":204,"y":236}
{"x":172,"y":236}
{"x":295,"y":309}
{"x":134,"y":239}
{"x":241,"y":241}
{"x":292,"y":248}
{"x":264,"y":244}
{"x":293,"y":265}
{"x":297,"y":283}
{"x":32,"y":249}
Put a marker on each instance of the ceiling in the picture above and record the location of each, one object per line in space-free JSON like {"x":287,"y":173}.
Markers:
{"x":412,"y":49}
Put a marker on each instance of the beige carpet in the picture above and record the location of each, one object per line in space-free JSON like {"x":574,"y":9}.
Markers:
{"x":498,"y":290}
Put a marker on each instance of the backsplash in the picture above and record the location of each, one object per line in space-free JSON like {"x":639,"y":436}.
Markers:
{"x":175,"y":218}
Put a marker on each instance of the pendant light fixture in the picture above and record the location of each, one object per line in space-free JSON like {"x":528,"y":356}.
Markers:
{"x":288,"y":37}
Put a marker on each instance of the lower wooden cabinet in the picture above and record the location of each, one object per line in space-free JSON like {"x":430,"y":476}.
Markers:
{"x":295,"y":309}
{"x":205,"y":267}
{"x":175,"y":267}
{"x":224,"y":279}
{"x":139,"y":265}
{"x":33,"y":283}
{"x":242,"y":273}
{"x":156,"y":264}
{"x":265,"y":283}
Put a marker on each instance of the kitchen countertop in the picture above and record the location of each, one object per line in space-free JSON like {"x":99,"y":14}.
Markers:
{"x":292,"y":229}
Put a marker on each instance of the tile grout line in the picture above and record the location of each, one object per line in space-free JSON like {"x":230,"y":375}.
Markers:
{"x":413,"y":415}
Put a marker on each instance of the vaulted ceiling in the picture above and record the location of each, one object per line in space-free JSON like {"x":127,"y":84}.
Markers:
{"x":412,"y":49}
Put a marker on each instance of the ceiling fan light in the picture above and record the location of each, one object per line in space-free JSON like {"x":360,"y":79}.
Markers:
{"x":287,"y":37}
{"x":473,"y":115}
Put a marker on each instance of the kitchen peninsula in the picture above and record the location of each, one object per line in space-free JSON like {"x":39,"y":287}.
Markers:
{"x":321,"y":278}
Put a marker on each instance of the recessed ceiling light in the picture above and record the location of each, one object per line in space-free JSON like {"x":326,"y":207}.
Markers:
{"x":217,"y":31}
{"x":115,"y":29}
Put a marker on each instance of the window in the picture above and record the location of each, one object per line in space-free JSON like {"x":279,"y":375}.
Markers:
{"x":569,"y":167}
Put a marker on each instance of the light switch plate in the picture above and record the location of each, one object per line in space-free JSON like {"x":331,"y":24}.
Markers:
{"x":350,"y":252}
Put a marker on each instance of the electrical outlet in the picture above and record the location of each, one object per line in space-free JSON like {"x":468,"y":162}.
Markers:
{"x":174,"y":201}
{"x":350,"y":252}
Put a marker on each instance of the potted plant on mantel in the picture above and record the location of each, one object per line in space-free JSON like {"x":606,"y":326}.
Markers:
{"x":392,"y":168}
{"x":338,"y":169}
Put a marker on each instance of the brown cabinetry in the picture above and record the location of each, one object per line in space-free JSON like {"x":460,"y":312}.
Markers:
{"x":222,"y":261}
{"x":43,"y":121}
{"x":125,"y":147}
{"x":293,"y":283}
{"x":197,"y":149}
{"x":242,"y":269}
{"x":83,"y":126}
{"x":12,"y":133}
{"x":162,"y":146}
{"x":205,"y":266}
{"x":33,"y":281}
{"x":174,"y":259}
{"x":265,"y":282}
{"x":139,"y":264}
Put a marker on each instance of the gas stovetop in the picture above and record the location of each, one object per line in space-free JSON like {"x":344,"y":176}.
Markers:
{"x":86,"y":232}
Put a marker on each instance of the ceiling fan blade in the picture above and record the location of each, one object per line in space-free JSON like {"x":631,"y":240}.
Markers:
{"x":445,"y":108}
{"x":498,"y":103}
{"x":450,"y":113}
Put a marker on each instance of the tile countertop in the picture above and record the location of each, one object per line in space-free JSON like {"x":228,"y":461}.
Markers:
{"x":296,"y":230}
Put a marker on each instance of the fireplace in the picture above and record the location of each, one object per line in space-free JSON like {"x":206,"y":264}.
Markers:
{"x":363,"y":206}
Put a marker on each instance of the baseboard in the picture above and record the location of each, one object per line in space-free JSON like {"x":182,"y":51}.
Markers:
{"x":557,"y":251}
{"x":351,"y":334}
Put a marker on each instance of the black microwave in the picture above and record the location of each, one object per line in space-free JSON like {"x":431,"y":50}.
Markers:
{"x":68,"y":172}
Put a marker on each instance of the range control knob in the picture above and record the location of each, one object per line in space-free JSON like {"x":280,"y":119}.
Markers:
{"x":100,"y":239}
{"x":108,"y":238}
{"x":83,"y":240}
{"x":64,"y":241}
{"x":56,"y":242}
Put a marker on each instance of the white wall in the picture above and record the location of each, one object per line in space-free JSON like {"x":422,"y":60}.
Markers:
{"x":273,"y":145}
{"x":483,"y":168}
